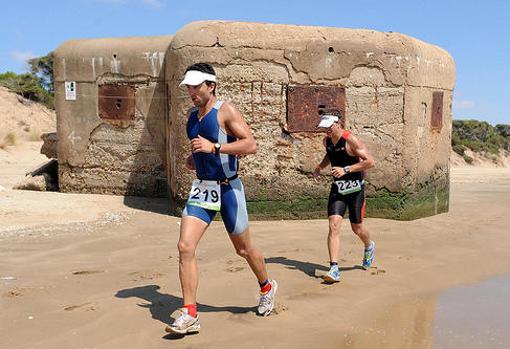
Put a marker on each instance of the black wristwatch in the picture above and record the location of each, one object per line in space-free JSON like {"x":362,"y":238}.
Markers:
{"x":217,"y":147}
{"x":347,"y":169}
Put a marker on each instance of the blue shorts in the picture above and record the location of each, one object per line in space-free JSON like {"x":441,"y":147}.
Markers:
{"x":233,"y":208}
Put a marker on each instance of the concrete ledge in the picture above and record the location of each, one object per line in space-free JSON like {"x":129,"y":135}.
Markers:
{"x":400,"y":206}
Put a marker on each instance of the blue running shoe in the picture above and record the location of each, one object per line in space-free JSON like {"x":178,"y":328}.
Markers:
{"x":368,"y":256}
{"x":333,"y":275}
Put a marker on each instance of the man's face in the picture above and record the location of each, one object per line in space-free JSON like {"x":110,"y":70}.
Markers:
{"x":200,"y":94}
{"x":335,"y":129}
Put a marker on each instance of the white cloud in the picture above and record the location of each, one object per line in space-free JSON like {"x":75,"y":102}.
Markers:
{"x":22,"y":57}
{"x":463,"y":104}
{"x":153,"y":3}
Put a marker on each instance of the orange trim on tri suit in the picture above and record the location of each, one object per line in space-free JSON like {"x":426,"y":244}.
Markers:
{"x":346,"y":134}
{"x":363,"y":209}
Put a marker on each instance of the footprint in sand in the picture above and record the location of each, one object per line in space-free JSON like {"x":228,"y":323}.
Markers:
{"x":234,"y":268}
{"x":294,"y":250}
{"x":145,"y":275}
{"x":377,"y":271}
{"x":88,"y":272}
{"x":85,"y":306}
{"x":279,"y":308}
{"x":17,"y":292}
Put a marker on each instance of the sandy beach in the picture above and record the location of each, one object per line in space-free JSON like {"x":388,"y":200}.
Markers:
{"x":96,"y":271}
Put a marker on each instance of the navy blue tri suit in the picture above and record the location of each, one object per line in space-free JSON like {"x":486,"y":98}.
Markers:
{"x":223,"y":168}
{"x":338,"y":203}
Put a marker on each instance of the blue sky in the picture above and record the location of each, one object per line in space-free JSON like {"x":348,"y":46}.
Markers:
{"x":476,"y":33}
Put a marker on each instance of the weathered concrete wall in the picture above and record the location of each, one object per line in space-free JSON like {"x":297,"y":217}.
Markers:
{"x":104,"y":155}
{"x":389,"y":80}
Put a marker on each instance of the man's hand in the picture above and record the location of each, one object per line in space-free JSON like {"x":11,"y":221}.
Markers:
{"x":201,"y":145}
{"x":190,"y":165}
{"x":316,"y":174}
{"x":337,"y":171}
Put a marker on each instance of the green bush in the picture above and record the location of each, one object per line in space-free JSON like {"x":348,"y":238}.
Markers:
{"x":29,"y":86}
{"x":459,"y":149}
{"x":479,"y":136}
{"x":467,"y":158}
{"x":503,"y":130}
{"x":36,"y":85}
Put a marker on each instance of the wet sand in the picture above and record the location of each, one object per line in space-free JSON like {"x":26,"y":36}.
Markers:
{"x":474,"y":316}
{"x":89,"y":271}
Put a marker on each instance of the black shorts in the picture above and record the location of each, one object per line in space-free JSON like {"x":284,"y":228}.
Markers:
{"x":338,"y":203}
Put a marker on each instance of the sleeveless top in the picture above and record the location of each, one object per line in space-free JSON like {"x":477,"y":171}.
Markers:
{"x":338,"y":157}
{"x":211,"y":166}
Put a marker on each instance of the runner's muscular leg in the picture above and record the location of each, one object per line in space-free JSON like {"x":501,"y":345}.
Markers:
{"x":192,"y":230}
{"x":244,"y":248}
{"x":362,"y":232}
{"x":334,"y":237}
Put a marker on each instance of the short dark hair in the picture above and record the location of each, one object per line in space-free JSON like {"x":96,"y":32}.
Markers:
{"x":204,"y":68}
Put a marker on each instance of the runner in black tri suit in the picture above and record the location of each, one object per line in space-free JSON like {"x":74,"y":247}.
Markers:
{"x":349,"y":158}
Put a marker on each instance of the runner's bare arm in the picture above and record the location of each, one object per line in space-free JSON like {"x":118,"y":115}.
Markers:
{"x":325,"y":162}
{"x":236,"y":126}
{"x":190,"y":165}
{"x":358,"y":148}
{"x":355,"y":147}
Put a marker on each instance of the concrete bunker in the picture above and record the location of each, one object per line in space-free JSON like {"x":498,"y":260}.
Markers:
{"x":394,"y":90}
{"x":111,"y":114}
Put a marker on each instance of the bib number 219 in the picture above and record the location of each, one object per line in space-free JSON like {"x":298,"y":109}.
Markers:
{"x":205,"y":194}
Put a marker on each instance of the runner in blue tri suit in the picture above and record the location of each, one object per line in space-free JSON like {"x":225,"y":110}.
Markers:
{"x":218,"y":134}
{"x":349,"y":159}
{"x":222,"y":167}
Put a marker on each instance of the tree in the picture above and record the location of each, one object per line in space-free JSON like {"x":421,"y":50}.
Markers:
{"x":42,"y":67}
{"x":27,"y":85}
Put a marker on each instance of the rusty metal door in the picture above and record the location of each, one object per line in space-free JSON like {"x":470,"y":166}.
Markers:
{"x":436,"y":121}
{"x":116,"y":102}
{"x":305,"y":104}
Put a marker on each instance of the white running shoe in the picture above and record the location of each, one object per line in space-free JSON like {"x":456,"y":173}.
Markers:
{"x":333,"y":275}
{"x":267,"y":300}
{"x":184,"y":324}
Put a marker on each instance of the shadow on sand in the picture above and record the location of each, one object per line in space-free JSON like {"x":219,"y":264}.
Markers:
{"x":308,"y":268}
{"x":162,"y":305}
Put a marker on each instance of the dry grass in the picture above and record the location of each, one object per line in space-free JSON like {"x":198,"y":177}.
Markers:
{"x":34,"y":136}
{"x":7,"y":140}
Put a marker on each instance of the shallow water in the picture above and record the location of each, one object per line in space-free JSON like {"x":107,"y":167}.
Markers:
{"x":476,"y":316}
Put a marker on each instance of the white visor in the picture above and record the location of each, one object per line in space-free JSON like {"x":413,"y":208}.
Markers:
{"x":195,"y":77}
{"x":327,"y":121}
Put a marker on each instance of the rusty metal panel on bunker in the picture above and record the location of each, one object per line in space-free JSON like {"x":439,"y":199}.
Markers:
{"x":436,"y":121}
{"x":305,"y":104}
{"x":116,"y":102}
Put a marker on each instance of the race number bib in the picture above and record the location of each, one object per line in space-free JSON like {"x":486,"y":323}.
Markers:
{"x":206,"y":194}
{"x":348,"y":186}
